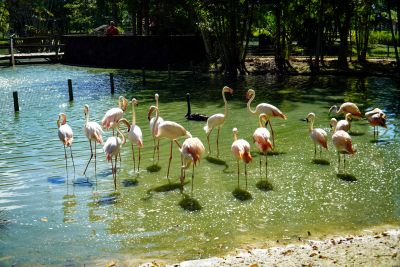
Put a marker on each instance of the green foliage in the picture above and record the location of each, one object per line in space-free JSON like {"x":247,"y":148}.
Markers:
{"x":4,"y":16}
{"x":81,"y":14}
{"x":380,"y":37}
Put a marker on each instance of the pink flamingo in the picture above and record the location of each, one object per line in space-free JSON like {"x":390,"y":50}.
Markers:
{"x":268,"y":109}
{"x":241,"y":151}
{"x":153,"y":133}
{"x":94,"y":133}
{"x":217,"y":120}
{"x":168,"y":129}
{"x":135,"y":134}
{"x":191,"y":151}
{"x":344,"y":125}
{"x":376,"y":117}
{"x":347,"y":107}
{"x":113,"y":115}
{"x":318,"y":135}
{"x":261,"y":137}
{"x":112,"y":148}
{"x":343,"y":144}
{"x":66,"y":137}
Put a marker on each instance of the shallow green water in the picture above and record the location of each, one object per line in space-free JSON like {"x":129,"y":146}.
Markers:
{"x":54,"y":223}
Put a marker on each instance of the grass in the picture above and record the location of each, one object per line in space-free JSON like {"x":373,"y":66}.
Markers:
{"x":321,"y":162}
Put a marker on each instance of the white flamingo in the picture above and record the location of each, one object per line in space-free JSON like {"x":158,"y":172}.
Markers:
{"x":93,"y":133}
{"x":113,"y":115}
{"x":267,"y":109}
{"x":344,"y":125}
{"x":217,"y":120}
{"x":318,"y":135}
{"x":153,"y":133}
{"x":168,"y":129}
{"x":66,"y":137}
{"x":135,"y":135}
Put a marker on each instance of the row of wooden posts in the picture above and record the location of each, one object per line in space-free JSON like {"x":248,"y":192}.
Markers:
{"x":71,"y":93}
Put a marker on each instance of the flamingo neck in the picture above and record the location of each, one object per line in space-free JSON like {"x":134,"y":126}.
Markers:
{"x":155,"y":121}
{"x":311,"y":125}
{"x":87,"y":117}
{"x":122,"y":135}
{"x":235,"y":136}
{"x":249,"y":102}
{"x":260,"y":122}
{"x":226,"y":104}
{"x":133,"y":114}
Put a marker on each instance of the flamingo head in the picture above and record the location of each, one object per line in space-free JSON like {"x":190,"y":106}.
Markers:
{"x":333,"y":123}
{"x":62,"y":119}
{"x":135,"y":102}
{"x":250,"y":93}
{"x":227,"y":89}
{"x":122,"y":103}
{"x":263,"y":117}
{"x":310,"y":116}
{"x":151,"y":110}
{"x":348,"y":117}
{"x":86,"y":109}
{"x":333,"y":109}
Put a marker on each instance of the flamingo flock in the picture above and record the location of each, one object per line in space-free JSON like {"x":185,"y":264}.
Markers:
{"x":192,"y":148}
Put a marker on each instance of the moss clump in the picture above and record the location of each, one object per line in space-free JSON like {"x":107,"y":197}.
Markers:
{"x":321,"y":162}
{"x":153,"y":168}
{"x":264,"y":185}
{"x":166,"y":187}
{"x":130,"y":182}
{"x":189,"y":204}
{"x":241,"y":194}
{"x":114,"y":194}
{"x":346,"y":177}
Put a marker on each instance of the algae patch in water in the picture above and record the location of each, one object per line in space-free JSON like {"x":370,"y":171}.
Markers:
{"x":241,"y":194}
{"x":154,"y":168}
{"x":166,"y":187}
{"x":190,"y":204}
{"x":264,"y":185}
{"x":320,"y":162}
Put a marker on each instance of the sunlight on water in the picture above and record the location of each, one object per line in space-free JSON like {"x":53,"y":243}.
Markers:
{"x":53,"y":221}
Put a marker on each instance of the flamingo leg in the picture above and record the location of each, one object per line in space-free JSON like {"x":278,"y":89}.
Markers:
{"x":272,"y":133}
{"x":315,"y":150}
{"x":208,"y":141}
{"x":72,"y":157}
{"x":66,"y":163}
{"x":338,"y":162}
{"x":219,"y":128}
{"x":260,"y":166}
{"x":169,"y":163}
{"x":115,"y":173}
{"x":245,"y":173}
{"x":238,"y":173}
{"x":95,"y":158}
{"x":133,"y":158}
{"x":158,"y":150}
{"x":91,"y":156}
{"x":266,"y":166}
{"x":320,"y":152}
{"x":192,"y":177}
{"x":344,"y":163}
{"x":139,"y":160}
{"x":154,"y":148}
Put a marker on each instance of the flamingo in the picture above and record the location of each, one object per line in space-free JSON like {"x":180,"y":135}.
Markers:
{"x":113,"y":115}
{"x":167,"y":129}
{"x":153,"y":133}
{"x":241,"y":151}
{"x":193,"y":116}
{"x":342,"y":124}
{"x":347,"y":107}
{"x":318,"y":135}
{"x":343,"y":144}
{"x":112,"y":148}
{"x":66,"y":137}
{"x":217,"y":120}
{"x":135,"y":134}
{"x":191,"y":151}
{"x":94,"y":133}
{"x":268,"y":109}
{"x":261,"y":137}
{"x":376,"y":117}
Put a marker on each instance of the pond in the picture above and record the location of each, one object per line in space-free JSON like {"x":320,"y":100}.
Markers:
{"x":46,"y":219}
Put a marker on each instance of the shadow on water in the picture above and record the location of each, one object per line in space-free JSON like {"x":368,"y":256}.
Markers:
{"x":82,"y":181}
{"x":264,"y":185}
{"x":190,"y":204}
{"x":105,"y":173}
{"x":379,"y":141}
{"x":241,"y":194}
{"x":320,"y":162}
{"x":356,"y":133}
{"x":275,"y":153}
{"x":56,"y":180}
{"x":217,"y":161}
{"x":130,"y":182}
{"x":346,"y":177}
{"x":153,"y":168}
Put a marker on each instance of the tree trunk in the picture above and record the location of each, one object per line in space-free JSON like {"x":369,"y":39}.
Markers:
{"x":114,"y":11}
{"x":319,"y":33}
{"x":393,"y":35}
{"x":344,"y":28}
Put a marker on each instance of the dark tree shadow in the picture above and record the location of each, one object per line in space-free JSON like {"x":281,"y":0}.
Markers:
{"x":241,"y":194}
{"x":190,"y":204}
{"x":346,"y":177}
{"x":320,"y":162}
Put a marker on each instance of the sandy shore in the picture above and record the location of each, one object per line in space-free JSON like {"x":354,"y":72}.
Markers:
{"x":371,"y":248}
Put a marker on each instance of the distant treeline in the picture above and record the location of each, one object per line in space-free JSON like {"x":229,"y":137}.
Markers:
{"x":226,"y":26}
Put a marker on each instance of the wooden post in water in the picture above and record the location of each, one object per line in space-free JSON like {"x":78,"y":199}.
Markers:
{"x":12,"y":59}
{"x":169,"y":71}
{"x":112,"y":83}
{"x":71,"y":94}
{"x":144,"y":76}
{"x":16,"y":105}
